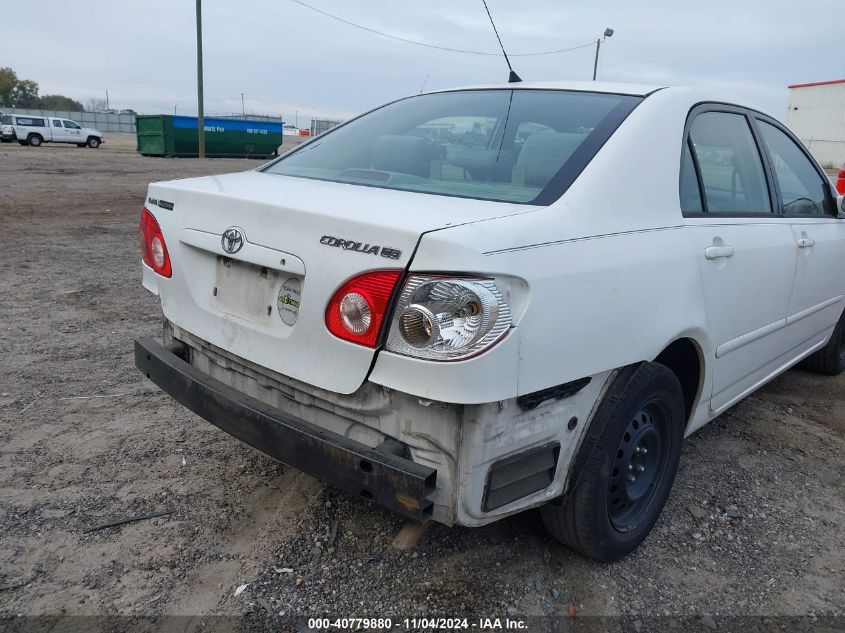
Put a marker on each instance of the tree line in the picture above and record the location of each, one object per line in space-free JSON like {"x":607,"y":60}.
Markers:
{"x":23,"y":93}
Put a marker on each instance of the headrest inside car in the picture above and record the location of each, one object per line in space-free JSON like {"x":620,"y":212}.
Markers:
{"x":405,"y":154}
{"x":544,"y":153}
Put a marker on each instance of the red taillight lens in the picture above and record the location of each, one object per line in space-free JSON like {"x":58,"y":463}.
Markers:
{"x":356,"y":311}
{"x":840,"y":183}
{"x":153,"y":248}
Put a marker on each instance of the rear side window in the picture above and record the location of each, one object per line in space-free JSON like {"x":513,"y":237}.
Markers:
{"x":31,"y":121}
{"x":801,"y":187}
{"x":729,"y":164}
{"x":524,"y":146}
{"x":57,"y":123}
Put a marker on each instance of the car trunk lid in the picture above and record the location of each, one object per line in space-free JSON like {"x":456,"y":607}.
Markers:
{"x":294,"y":242}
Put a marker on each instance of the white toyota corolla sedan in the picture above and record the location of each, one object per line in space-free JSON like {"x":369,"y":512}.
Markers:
{"x":472,"y":302}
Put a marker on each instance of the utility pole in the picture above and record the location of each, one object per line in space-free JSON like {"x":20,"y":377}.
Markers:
{"x":607,"y":33}
{"x":107,"y":100}
{"x":596,"y":63}
{"x":200,"y":115}
{"x":243,"y":108}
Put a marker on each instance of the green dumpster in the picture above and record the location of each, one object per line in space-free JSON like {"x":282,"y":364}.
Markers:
{"x":171,"y":135}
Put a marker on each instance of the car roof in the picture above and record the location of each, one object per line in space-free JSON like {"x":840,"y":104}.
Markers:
{"x":635,"y":89}
{"x":640,"y":90}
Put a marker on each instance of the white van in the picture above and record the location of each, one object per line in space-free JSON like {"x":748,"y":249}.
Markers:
{"x":35,"y":130}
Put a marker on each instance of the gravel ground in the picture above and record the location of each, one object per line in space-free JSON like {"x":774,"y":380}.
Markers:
{"x":753,"y":528}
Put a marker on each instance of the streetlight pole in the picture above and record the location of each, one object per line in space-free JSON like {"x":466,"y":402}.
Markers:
{"x":243,"y":107}
{"x":200,"y":114}
{"x":607,"y":33}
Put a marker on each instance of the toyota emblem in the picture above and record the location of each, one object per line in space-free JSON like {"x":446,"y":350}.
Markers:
{"x":232,"y":240}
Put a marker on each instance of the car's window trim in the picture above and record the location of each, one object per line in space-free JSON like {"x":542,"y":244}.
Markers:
{"x":759,"y":116}
{"x":716,"y":106}
{"x":698,"y":179}
{"x":557,"y":185}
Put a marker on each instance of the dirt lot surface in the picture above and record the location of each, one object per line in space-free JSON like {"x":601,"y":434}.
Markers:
{"x":754,"y":526}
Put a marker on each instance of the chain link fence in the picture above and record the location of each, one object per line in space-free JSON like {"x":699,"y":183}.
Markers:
{"x":96,"y":120}
{"x":107,"y":122}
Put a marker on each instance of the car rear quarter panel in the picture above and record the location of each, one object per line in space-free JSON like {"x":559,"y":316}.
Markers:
{"x":612,"y":277}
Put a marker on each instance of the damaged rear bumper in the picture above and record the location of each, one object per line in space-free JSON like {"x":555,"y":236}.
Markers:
{"x":398,"y":484}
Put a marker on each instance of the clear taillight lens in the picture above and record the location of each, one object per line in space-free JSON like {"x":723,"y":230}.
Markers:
{"x":447,"y":318}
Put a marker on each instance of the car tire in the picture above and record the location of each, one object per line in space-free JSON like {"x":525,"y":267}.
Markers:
{"x":93,"y":142}
{"x":605,"y":515}
{"x":6,"y":140}
{"x":830,"y":359}
{"x":34,"y":140}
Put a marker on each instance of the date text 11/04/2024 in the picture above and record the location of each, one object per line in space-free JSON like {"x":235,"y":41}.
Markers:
{"x":417,"y":624}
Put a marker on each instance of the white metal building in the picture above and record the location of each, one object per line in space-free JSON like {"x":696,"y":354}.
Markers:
{"x":817,"y":116}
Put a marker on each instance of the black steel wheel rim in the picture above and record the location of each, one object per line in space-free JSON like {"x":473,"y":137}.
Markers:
{"x":639,"y":465}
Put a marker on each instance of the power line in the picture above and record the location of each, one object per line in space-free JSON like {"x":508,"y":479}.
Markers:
{"x":435,"y":46}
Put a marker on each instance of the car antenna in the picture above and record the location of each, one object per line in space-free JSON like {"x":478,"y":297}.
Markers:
{"x":512,"y":77}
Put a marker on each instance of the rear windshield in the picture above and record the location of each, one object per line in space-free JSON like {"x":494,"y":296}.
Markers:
{"x":524,"y":146}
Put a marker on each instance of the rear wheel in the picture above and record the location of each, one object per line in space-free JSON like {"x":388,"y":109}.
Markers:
{"x":626,"y":466}
{"x":34,"y":140}
{"x":93,"y":142}
{"x":830,"y":359}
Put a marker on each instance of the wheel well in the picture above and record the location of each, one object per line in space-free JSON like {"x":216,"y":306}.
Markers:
{"x":683,"y":358}
{"x":31,"y":134}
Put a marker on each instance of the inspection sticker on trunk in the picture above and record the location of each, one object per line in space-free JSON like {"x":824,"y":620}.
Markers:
{"x":288,"y":302}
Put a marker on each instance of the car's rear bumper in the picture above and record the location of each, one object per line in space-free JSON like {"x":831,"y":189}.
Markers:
{"x":394,"y":482}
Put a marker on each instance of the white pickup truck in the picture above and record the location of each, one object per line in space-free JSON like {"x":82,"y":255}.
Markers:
{"x":468,"y":303}
{"x":34,"y":130}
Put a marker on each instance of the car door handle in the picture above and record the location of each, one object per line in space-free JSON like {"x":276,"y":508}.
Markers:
{"x":717,"y":252}
{"x":806,"y":242}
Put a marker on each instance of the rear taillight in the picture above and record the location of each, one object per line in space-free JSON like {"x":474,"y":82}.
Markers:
{"x":153,"y":248}
{"x":840,"y":183}
{"x":356,"y":311}
{"x":448,"y":318}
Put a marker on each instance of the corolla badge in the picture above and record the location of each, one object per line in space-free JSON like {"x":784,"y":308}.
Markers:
{"x":232,"y":240}
{"x":360,"y":247}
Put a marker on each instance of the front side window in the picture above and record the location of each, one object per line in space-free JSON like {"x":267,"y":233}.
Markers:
{"x":501,"y":145}
{"x":729,"y":164}
{"x":71,"y":125}
{"x":801,"y":187}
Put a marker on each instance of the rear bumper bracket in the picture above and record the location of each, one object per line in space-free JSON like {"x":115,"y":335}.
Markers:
{"x":397,"y":483}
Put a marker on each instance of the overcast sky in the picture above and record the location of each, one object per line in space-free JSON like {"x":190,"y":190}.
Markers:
{"x":285,"y":57}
